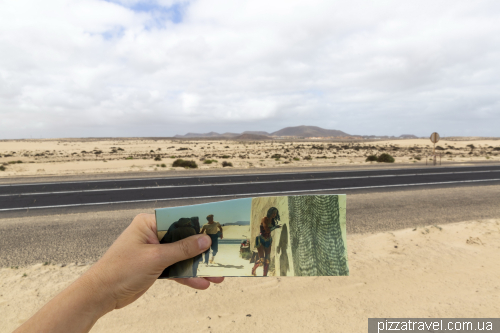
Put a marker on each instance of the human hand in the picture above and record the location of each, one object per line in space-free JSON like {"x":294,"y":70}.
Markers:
{"x":136,"y":259}
{"x":129,"y":267}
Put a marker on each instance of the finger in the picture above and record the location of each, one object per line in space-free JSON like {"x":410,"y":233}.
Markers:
{"x":143,"y":228}
{"x":144,"y":219}
{"x":184,"y":249}
{"x":196,"y":283}
{"x":215,"y":279}
{"x":150,"y":221}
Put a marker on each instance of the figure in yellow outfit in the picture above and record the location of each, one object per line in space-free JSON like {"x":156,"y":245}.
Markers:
{"x":211,"y":229}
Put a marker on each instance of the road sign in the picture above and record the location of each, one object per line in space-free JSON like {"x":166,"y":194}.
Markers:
{"x":434,"y":140}
{"x":434,"y":137}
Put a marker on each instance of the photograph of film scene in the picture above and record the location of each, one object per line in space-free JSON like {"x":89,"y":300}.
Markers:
{"x":263,"y":236}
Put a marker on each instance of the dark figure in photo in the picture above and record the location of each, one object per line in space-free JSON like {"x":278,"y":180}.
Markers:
{"x":177,"y":231}
{"x":282,"y":247}
{"x":214,"y":230}
{"x":264,"y":241}
{"x":195,"y":221}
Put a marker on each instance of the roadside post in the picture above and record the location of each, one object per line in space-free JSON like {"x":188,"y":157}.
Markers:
{"x":434,"y":140}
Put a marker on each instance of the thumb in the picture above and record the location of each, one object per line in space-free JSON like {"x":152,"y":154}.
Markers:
{"x":184,"y":249}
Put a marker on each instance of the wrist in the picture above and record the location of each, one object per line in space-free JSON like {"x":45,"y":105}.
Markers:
{"x":98,"y":296}
{"x":76,"y":309}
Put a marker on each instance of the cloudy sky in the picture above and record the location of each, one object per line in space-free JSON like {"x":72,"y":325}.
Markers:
{"x":81,"y":68}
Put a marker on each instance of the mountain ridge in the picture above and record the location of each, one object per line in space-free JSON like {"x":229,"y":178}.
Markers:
{"x":309,"y":131}
{"x":296,"y":131}
{"x":301,"y":131}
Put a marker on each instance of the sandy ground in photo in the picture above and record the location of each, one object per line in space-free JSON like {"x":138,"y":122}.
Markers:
{"x":78,"y":156}
{"x":446,"y":270}
{"x":227,"y":262}
{"x":236,"y":231}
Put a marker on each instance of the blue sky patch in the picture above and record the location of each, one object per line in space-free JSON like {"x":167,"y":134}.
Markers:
{"x":116,"y":32}
{"x":160,"y":13}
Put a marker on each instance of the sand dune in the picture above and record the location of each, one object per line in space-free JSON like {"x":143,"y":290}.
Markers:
{"x":236,"y":231}
{"x":434,"y":271}
{"x":81,"y":156}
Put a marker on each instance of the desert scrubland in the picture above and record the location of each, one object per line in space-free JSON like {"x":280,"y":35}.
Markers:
{"x":433,"y":270}
{"x":446,"y":270}
{"x":84,"y":156}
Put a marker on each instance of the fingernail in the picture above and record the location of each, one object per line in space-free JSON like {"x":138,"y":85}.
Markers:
{"x":204,"y":242}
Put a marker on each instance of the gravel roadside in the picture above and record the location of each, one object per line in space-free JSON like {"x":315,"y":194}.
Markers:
{"x":226,"y":172}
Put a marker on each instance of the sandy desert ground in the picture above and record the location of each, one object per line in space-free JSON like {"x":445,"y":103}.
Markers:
{"x":433,"y":271}
{"x":84,"y":156}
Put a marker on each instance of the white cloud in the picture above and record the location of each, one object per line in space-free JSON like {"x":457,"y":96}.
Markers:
{"x":97,"y":68}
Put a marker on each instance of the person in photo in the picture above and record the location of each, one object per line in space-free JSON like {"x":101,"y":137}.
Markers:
{"x":214,"y":230}
{"x":195,"y":221}
{"x":264,"y":241}
{"x":181,"y":229}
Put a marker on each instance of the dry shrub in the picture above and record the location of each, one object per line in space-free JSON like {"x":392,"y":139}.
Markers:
{"x":385,"y":158}
{"x":184,"y":164}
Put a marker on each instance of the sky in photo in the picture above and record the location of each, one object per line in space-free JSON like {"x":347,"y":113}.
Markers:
{"x":228,"y":211}
{"x":96,"y":68}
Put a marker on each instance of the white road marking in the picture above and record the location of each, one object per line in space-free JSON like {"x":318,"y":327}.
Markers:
{"x":243,"y":183}
{"x":250,"y":194}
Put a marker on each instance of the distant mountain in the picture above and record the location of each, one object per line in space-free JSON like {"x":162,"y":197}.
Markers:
{"x":198,"y":135}
{"x":308,"y":131}
{"x":208,"y":135}
{"x":252,"y":137}
{"x":298,"y":131}
{"x":238,"y":223}
{"x":256,"y":133}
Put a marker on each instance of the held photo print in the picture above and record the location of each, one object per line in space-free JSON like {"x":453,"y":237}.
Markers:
{"x":302,"y":235}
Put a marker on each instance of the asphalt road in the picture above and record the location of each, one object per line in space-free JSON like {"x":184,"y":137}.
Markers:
{"x":83,"y":237}
{"x":31,"y":196}
{"x":76,"y":221}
